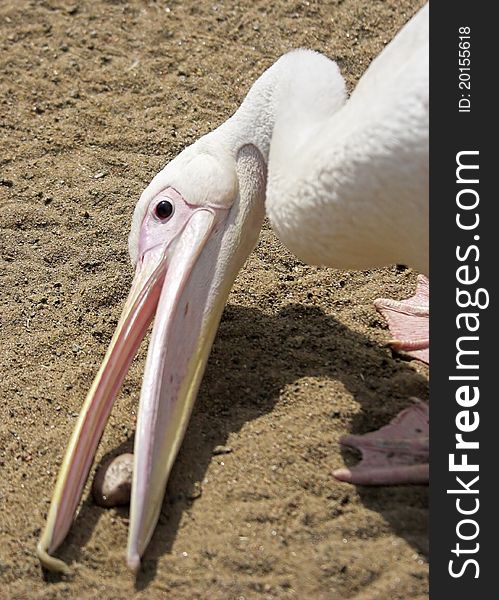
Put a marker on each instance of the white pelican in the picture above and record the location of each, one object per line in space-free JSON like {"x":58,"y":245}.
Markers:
{"x":344,"y":183}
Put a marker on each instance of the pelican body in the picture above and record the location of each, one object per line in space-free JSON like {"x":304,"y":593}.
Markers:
{"x":344,"y":183}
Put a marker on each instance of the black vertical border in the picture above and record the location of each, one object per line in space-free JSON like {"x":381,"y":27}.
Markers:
{"x":450,"y":133}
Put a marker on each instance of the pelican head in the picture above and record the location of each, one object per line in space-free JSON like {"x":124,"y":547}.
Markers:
{"x":187,"y":246}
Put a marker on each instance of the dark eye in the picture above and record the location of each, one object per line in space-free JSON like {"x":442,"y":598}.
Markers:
{"x":164,"y":209}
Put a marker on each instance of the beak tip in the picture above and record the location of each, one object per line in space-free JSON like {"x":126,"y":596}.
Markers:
{"x":133,"y":562}
{"x":49,"y":562}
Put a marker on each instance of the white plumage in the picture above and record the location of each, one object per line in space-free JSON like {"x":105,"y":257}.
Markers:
{"x":347,"y":180}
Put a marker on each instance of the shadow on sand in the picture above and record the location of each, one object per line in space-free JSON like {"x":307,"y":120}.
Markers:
{"x":254,"y":352}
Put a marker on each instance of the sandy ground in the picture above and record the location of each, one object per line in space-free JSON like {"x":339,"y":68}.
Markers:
{"x":95,"y":98}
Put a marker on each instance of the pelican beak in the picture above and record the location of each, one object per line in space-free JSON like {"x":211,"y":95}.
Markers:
{"x":180,"y":285}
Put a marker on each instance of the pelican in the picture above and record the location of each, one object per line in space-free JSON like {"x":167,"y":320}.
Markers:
{"x":344,"y":184}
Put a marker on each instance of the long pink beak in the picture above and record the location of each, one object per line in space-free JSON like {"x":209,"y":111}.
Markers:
{"x":176,"y":285}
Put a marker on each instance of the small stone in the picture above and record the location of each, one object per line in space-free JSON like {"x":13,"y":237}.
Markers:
{"x":112,"y":483}
{"x":221,"y":450}
{"x":195,"y":492}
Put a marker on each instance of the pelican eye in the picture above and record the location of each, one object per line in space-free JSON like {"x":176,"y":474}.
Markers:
{"x":164,"y":209}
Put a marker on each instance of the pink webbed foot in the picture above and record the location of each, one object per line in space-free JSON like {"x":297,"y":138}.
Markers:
{"x":395,"y":454}
{"x":408,"y":321}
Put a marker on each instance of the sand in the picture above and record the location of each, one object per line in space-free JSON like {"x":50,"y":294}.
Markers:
{"x":95,"y":97}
